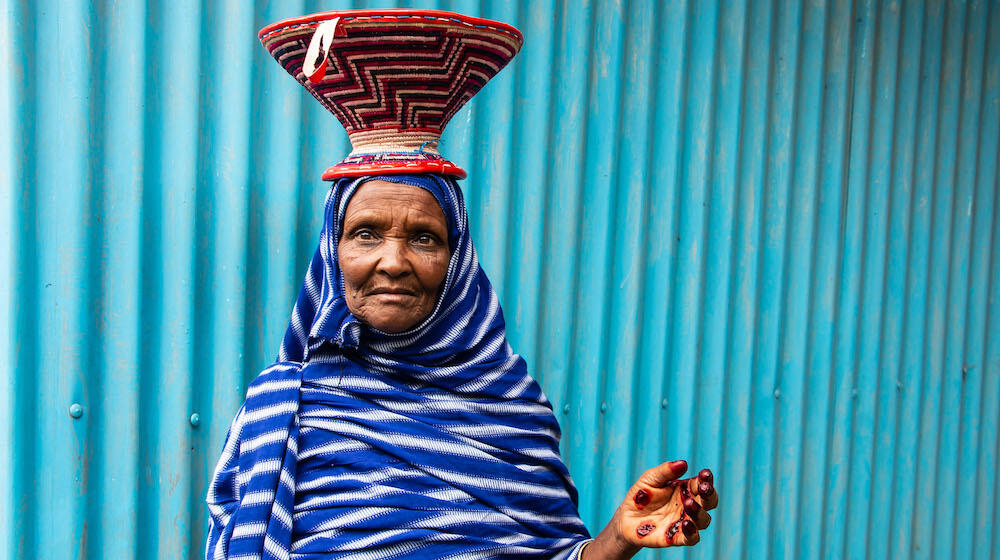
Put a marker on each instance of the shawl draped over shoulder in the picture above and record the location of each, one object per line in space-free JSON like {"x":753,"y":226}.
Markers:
{"x":432,"y":443}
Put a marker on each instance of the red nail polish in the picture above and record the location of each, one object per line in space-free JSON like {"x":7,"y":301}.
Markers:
{"x":679,"y":467}
{"x":691,"y":506}
{"x":687,"y":527}
{"x":704,"y":489}
{"x":706,"y":475}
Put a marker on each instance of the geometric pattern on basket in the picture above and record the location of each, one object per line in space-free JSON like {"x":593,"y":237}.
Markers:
{"x":394,"y":78}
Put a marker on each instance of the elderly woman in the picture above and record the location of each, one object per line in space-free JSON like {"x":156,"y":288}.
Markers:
{"x":398,"y":422}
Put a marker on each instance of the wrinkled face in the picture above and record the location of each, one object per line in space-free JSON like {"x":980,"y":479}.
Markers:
{"x":393,"y":254}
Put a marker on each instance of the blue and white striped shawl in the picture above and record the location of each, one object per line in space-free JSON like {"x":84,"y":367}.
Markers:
{"x":433,"y":443}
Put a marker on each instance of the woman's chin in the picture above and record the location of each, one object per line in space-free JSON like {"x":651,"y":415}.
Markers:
{"x":393,"y":314}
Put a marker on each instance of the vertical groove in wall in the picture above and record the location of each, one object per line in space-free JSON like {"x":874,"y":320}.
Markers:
{"x":865,"y":218}
{"x":841,"y":340}
{"x":742,"y":304}
{"x":988,"y":503}
{"x":8,"y":246}
{"x":23,"y":532}
{"x":758,"y":235}
{"x":988,"y":356}
{"x":908,"y":99}
{"x":972,"y":127}
{"x":12,"y":142}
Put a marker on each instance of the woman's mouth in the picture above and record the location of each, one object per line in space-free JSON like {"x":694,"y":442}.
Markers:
{"x":391,"y":292}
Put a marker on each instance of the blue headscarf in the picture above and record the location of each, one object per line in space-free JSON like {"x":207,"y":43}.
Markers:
{"x":431,"y":443}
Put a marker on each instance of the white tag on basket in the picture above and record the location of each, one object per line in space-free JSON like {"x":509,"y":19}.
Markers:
{"x":314,"y":66}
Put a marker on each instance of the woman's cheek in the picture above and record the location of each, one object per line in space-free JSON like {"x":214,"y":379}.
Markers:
{"x":440,"y":266}
{"x":352,"y":267}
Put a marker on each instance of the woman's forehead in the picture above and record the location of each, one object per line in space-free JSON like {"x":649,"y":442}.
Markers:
{"x":378,"y":191}
{"x":383,"y":194}
{"x":384,"y":200}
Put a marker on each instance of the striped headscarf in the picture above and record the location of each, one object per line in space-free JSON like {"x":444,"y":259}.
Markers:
{"x":432,"y":443}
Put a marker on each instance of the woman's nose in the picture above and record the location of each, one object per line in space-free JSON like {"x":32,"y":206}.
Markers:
{"x":392,"y":258}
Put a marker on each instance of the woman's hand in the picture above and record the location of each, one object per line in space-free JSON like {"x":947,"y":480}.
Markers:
{"x":660,"y":510}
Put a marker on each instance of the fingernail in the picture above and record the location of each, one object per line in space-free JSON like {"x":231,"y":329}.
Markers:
{"x":704,"y":489}
{"x":687,"y":527}
{"x":705,"y":475}
{"x":691,"y":506}
{"x":679,"y":467}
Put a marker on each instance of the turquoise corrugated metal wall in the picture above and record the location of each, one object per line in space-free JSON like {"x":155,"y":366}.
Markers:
{"x":759,"y":235}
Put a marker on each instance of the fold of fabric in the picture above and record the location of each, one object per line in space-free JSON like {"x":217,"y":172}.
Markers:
{"x":432,"y":443}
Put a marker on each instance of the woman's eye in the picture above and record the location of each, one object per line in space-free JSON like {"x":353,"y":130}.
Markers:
{"x":426,"y":239}
{"x":364,"y":235}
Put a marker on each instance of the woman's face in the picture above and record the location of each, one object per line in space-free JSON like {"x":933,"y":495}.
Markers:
{"x":394,"y":254}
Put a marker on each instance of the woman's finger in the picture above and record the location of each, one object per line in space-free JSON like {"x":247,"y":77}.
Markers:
{"x":703,"y":486}
{"x":683,"y":533}
{"x":711,"y":500}
{"x":702,"y":519}
{"x":659,"y":476}
{"x":698,"y":514}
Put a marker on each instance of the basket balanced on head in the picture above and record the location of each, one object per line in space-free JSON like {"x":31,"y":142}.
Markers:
{"x":394,"y":78}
